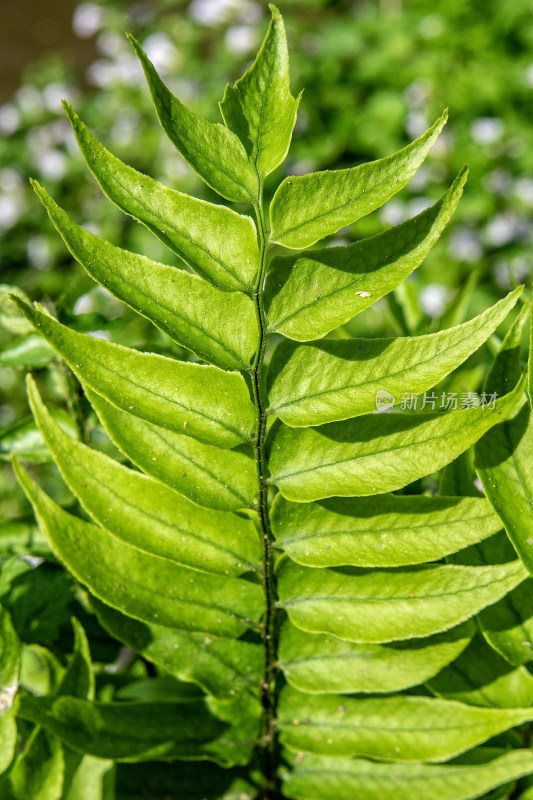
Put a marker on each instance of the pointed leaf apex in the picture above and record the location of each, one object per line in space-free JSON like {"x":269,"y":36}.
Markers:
{"x":137,"y":47}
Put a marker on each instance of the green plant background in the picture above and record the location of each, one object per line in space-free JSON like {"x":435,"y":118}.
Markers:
{"x":376,"y":75}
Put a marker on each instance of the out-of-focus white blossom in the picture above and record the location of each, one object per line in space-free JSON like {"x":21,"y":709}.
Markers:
{"x":417,"y":124}
{"x":12,"y":199}
{"x":9,"y":119}
{"x":241,"y":38}
{"x":29,"y":100}
{"x":498,"y":181}
{"x":52,"y":164}
{"x":84,"y":304}
{"x":53,"y":94}
{"x":505,"y":228}
{"x":524,"y":190}
{"x":87,"y":20}
{"x":433,"y":299}
{"x":303,"y":166}
{"x":417,"y":205}
{"x":420,"y":179}
{"x":216,"y":12}
{"x":393,"y":212}
{"x":161,"y":51}
{"x":38,"y":252}
{"x":487,"y":130}
{"x":417,"y":93}
{"x":125,"y":129}
{"x":10,"y":210}
{"x":111,"y":44}
{"x":125,"y":70}
{"x":464,"y":244}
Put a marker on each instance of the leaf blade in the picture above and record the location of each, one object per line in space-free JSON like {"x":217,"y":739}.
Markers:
{"x":308,"y":295}
{"x":384,"y":531}
{"x":220,"y":327}
{"x":504,"y":456}
{"x":209,"y":476}
{"x":189,"y":227}
{"x":170,"y":393}
{"x":313,"y":384}
{"x":481,"y":677}
{"x":395,"y":728}
{"x":144,"y":731}
{"x":221,"y":667}
{"x":143,"y":512}
{"x":259,"y":107}
{"x":212,"y":150}
{"x":348,"y":458}
{"x":146,"y":587}
{"x":378,"y":606}
{"x":320,"y":663}
{"x":318,"y":778}
{"x":309,"y":207}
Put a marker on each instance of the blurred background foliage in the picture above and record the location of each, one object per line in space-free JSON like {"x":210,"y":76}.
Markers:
{"x":376,"y":74}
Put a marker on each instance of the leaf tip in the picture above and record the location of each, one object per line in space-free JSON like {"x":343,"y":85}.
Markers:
{"x":136,"y":46}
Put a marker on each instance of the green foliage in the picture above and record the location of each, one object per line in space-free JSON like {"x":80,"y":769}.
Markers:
{"x":252,"y":546}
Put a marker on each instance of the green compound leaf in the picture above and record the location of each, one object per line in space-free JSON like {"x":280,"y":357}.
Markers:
{"x":44,"y":769}
{"x":383,"y":531}
{"x":259,"y":107}
{"x":481,"y":677}
{"x":308,"y":295}
{"x":10,"y":654}
{"x":308,"y":207}
{"x":141,"y":585}
{"x":145,"y":513}
{"x":376,"y":453}
{"x":221,"y":667}
{"x":318,"y":778}
{"x":10,"y":317}
{"x":211,"y":477}
{"x":220,"y":327}
{"x":508,"y":624}
{"x":8,"y":740}
{"x":196,"y":400}
{"x":387,"y":605}
{"x":94,"y":780}
{"x":504,"y":456}
{"x":147,"y":730}
{"x":212,"y":150}
{"x":394,"y":728}
{"x":214,"y":241}
{"x":38,"y":772}
{"x":318,"y":663}
{"x":187,"y":780}
{"x":312,"y":384}
{"x":78,"y":679}
{"x":30,"y":350}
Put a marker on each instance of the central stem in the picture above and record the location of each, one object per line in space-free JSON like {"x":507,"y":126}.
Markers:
{"x":268,"y":732}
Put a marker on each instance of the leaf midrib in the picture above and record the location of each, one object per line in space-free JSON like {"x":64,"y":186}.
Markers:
{"x":202,"y":414}
{"x":388,"y":375}
{"x":336,"y":209}
{"x":380,"y":531}
{"x":385,"y":600}
{"x":369,"y":455}
{"x":164,"y":190}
